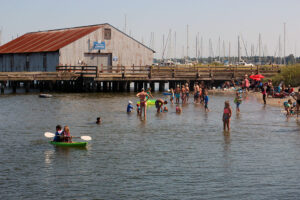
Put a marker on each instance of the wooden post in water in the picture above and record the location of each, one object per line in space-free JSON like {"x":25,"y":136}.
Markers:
{"x":161,"y":86}
{"x":105,"y":86}
{"x":128,"y":86}
{"x":152,"y":85}
{"x":2,"y":87}
{"x":135,"y":89}
{"x":26,"y":85}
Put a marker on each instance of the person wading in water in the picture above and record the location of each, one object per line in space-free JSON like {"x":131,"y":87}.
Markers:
{"x":143,"y":102}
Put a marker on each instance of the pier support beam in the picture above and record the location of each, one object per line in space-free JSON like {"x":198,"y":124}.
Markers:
{"x":152,"y":85}
{"x":105,"y":86}
{"x":2,"y":87}
{"x":14,"y":86}
{"x":128,"y":86}
{"x":161,"y":86}
{"x":27,"y":86}
{"x":135,"y":87}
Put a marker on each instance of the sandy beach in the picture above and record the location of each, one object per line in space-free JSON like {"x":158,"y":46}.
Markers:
{"x":270,"y":101}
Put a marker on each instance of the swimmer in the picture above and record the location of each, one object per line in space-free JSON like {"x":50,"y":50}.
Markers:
{"x":178,"y":109}
{"x":143,"y":101}
{"x":226,"y":116}
{"x":98,"y":120}
{"x":159,"y":104}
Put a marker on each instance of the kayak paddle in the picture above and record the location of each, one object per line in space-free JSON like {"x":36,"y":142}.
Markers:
{"x":51,"y":135}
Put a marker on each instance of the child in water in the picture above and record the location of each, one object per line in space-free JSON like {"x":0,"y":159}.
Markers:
{"x":172,"y":96}
{"x":138,"y":109}
{"x":206,"y":101}
{"x":226,"y":116}
{"x":129,"y":107}
{"x":166,"y":109}
{"x":178,"y":109}
{"x":288,"y":107}
{"x":238,"y":101}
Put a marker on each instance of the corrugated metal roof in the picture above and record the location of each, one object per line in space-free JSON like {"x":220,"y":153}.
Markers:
{"x":52,"y":40}
{"x":46,"y":41}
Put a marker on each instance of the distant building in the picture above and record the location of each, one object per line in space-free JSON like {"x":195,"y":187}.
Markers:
{"x":94,"y":45}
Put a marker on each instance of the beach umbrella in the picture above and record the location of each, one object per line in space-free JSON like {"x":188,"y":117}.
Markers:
{"x":252,"y":76}
{"x":259,"y":76}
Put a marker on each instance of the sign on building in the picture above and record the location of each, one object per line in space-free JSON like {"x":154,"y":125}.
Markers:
{"x":100,"y":46}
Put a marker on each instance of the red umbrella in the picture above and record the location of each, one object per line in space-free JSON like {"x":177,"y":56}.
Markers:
{"x":256,"y":79}
{"x":259,"y":76}
{"x":252,"y":76}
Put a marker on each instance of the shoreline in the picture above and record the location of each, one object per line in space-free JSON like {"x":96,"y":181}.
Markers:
{"x":276,"y":102}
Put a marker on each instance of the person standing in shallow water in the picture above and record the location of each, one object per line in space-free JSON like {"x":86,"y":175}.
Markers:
{"x":226,"y":116}
{"x":296,"y":96}
{"x":143,"y":102}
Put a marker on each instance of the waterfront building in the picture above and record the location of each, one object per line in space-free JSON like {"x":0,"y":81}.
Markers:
{"x":94,"y":45}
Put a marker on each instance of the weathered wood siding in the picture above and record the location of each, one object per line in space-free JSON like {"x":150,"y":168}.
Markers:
{"x":127,"y":51}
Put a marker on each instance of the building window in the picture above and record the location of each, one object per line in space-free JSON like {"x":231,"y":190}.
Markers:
{"x":107,"y":34}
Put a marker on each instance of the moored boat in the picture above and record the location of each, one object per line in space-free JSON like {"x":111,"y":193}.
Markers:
{"x":45,"y":95}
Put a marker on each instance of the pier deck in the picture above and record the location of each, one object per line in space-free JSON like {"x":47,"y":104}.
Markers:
{"x":92,"y":78}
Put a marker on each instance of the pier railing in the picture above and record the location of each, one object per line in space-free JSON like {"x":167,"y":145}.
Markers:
{"x":168,"y":73}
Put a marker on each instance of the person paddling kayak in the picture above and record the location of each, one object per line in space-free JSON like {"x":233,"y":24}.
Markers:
{"x":66,"y":135}
{"x":58,"y":134}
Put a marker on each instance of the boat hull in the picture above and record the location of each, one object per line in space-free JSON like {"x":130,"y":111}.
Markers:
{"x":67,"y":144}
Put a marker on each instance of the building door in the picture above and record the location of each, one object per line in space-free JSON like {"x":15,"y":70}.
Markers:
{"x":98,"y":59}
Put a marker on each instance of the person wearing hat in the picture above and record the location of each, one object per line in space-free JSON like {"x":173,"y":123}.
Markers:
{"x":129,"y":107}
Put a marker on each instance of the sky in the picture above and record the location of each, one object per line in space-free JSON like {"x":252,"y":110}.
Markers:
{"x":211,"y":19}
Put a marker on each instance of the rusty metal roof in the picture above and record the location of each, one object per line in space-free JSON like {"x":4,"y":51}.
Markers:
{"x":45,"y":41}
{"x":52,"y":40}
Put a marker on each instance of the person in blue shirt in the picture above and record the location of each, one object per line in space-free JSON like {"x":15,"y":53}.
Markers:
{"x":58,"y":134}
{"x":206,"y":101}
{"x":129,"y":107}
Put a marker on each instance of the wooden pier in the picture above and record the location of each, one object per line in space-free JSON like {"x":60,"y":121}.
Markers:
{"x":119,"y":78}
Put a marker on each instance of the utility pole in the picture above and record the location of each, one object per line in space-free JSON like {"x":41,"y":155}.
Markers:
{"x":284,"y":40}
{"x":0,"y":36}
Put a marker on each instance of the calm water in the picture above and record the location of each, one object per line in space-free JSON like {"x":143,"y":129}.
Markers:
{"x":170,"y":156}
